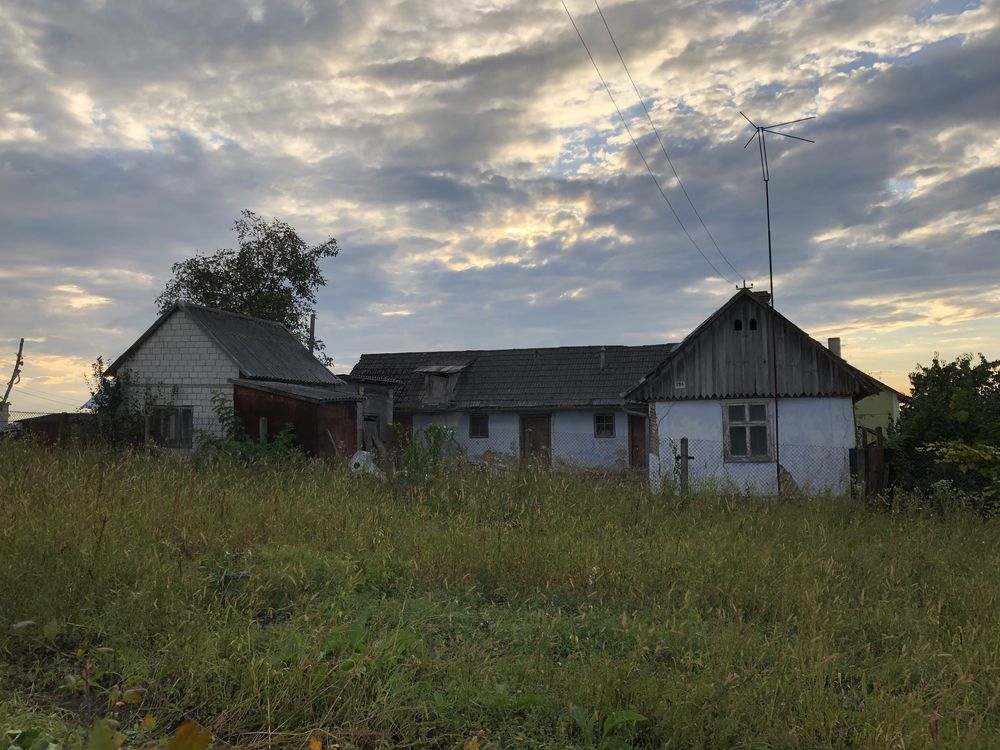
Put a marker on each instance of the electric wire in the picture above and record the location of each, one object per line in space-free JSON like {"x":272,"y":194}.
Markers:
{"x":659,"y":140}
{"x":639,"y":150}
{"x":26,"y":392}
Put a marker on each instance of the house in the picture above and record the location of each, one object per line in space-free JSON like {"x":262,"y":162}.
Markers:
{"x":562,"y":405}
{"x":194,"y":359}
{"x":758,"y":401}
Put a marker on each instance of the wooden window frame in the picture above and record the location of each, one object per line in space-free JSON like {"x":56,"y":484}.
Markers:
{"x":597,"y":432}
{"x":176,"y":437}
{"x":479,"y":434}
{"x":747,"y":423}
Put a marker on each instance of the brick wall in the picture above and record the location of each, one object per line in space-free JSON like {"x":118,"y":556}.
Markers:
{"x":182,"y":366}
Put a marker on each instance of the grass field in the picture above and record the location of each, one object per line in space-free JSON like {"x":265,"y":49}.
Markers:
{"x":274,"y":605}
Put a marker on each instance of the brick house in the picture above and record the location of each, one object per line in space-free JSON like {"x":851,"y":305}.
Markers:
{"x":193,"y":354}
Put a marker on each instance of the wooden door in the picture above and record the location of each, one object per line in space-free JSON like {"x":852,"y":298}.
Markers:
{"x":536,"y":437}
{"x":636,"y":441}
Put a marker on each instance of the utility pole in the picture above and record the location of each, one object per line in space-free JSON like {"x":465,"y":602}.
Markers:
{"x":15,"y":377}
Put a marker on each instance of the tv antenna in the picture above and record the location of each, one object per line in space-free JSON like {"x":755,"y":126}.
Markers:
{"x":759,"y":131}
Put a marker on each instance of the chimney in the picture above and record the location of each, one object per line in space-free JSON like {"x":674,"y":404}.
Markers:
{"x":312,"y":333}
{"x":603,"y":357}
{"x":833,"y":344}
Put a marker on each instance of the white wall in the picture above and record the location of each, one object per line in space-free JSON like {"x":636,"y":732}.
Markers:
{"x":182,"y":366}
{"x":504,"y":432}
{"x":815,"y":435}
{"x":573,"y":441}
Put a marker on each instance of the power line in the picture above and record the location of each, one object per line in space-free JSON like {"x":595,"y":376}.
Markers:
{"x":26,"y":392}
{"x":636,"y":144}
{"x":659,"y":140}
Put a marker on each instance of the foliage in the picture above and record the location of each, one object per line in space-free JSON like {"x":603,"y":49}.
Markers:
{"x":236,"y":443}
{"x":273,"y":275}
{"x":952,"y":402}
{"x":979,"y":464}
{"x":428,"y":452}
{"x":118,"y":416}
{"x":276,"y":604}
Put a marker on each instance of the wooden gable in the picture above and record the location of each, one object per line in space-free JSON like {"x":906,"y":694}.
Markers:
{"x":730,"y":356}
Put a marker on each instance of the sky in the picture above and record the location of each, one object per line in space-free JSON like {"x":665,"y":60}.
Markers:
{"x":479,"y":181}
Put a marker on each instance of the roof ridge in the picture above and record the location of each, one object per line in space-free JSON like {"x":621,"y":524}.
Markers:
{"x":220,"y":311}
{"x":457,"y":352}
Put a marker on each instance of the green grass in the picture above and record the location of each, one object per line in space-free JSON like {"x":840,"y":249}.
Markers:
{"x":527,"y":610}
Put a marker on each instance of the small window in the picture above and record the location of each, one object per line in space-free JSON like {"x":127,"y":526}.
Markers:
{"x":479,"y":425}
{"x":437,"y":387}
{"x":753,"y":324}
{"x":604,"y":425}
{"x":737,"y":325}
{"x":748,"y":432}
{"x":172,"y":426}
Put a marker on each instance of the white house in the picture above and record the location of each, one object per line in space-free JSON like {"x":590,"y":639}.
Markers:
{"x":560,"y":405}
{"x":759,"y":402}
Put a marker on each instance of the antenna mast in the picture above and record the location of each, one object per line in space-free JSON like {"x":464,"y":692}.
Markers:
{"x":759,"y":133}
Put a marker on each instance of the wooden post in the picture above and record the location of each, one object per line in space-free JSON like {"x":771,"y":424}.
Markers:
{"x":684,"y":466}
{"x":16,"y":375}
{"x":262,"y":430}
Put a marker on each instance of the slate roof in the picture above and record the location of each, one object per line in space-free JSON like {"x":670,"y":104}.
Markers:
{"x":261,"y":349}
{"x":320,"y":394}
{"x":559,"y":377}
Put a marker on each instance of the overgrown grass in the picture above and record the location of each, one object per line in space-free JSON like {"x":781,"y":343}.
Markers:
{"x":525,"y":609}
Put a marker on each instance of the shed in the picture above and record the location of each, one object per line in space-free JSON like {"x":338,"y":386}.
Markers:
{"x":193,"y":360}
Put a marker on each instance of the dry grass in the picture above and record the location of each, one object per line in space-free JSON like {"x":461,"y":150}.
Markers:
{"x":529,"y":609}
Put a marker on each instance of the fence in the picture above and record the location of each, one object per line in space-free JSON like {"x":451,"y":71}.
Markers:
{"x":804,"y":469}
{"x":13,"y":417}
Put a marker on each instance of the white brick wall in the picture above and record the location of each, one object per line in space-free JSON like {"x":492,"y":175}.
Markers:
{"x":183,"y":367}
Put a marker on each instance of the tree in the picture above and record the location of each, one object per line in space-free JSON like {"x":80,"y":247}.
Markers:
{"x":954,"y":402}
{"x":273,"y":275}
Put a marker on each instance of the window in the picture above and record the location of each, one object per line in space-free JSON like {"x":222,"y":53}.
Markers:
{"x":604,"y":425}
{"x":479,"y":425}
{"x":737,"y":325}
{"x":172,"y":426}
{"x":753,"y":324}
{"x":437,"y":387}
{"x":748,"y":431}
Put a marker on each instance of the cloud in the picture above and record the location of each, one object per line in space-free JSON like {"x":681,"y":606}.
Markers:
{"x":476,"y":176}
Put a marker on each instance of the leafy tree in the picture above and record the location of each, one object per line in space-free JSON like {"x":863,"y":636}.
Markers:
{"x":273,"y":274}
{"x":116,"y":418}
{"x":952,"y":402}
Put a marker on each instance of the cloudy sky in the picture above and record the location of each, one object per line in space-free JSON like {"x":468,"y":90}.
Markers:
{"x":479,"y":181}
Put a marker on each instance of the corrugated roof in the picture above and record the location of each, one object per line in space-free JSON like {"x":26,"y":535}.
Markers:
{"x":261,"y":349}
{"x":566,"y":376}
{"x":316,"y":393}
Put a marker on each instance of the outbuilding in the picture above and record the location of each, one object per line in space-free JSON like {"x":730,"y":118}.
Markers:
{"x":195,"y":363}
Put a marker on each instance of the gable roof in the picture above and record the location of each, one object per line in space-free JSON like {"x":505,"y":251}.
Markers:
{"x":718,"y":368}
{"x":260,"y":349}
{"x":544,"y":378}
